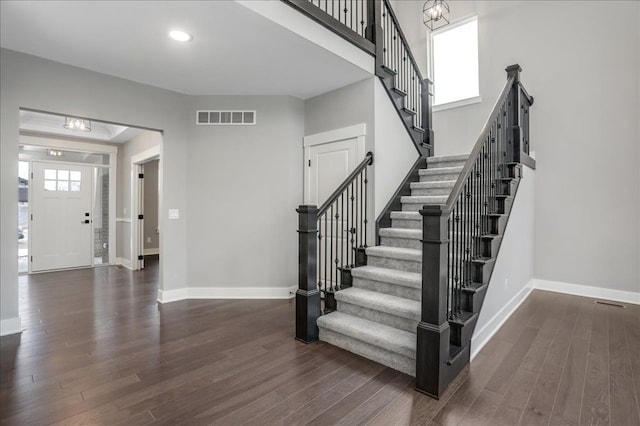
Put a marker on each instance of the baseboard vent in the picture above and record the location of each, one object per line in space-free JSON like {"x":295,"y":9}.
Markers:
{"x":617,"y":305}
{"x":225,"y":118}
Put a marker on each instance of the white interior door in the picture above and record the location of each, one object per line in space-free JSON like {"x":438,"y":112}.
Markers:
{"x":328,"y":166}
{"x":61,"y":222}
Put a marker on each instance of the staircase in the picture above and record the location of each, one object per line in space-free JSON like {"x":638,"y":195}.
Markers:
{"x":378,"y":317}
{"x":412,"y":301}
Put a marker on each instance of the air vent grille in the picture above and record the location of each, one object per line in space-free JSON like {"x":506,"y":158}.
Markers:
{"x":225,"y":118}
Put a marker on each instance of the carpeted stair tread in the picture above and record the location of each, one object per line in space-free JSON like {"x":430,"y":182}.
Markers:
{"x":446,"y":158}
{"x":391,"y":276}
{"x":406,"y":215}
{"x":386,"y":303}
{"x":395,"y":253}
{"x":413,"y":234}
{"x":439,"y":171}
{"x":375,"y":334}
{"x":432,"y":185}
{"x":424,"y":199}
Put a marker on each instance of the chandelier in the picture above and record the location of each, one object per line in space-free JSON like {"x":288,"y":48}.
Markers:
{"x":435,"y":14}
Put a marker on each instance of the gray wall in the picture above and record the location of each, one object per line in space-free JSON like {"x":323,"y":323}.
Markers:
{"x":512,"y":276}
{"x":30,"y":82}
{"x":151,"y":237}
{"x":347,"y":106}
{"x":140,"y":143}
{"x":245,"y":183}
{"x":367,"y":102}
{"x":583,"y":70}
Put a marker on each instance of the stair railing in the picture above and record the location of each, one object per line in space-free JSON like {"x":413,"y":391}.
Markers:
{"x":331,"y":241}
{"x":396,"y":59}
{"x":373,"y":26}
{"x":453,"y":247}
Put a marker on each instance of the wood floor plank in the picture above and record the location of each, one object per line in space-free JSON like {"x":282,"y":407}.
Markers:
{"x":500,"y":380}
{"x":540,"y":405}
{"x":595,"y":396}
{"x":235,"y":362}
{"x":485,"y":366}
{"x":622,"y":392}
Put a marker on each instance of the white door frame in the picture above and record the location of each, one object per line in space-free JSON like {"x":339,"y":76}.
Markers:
{"x":358,"y":131}
{"x":77,"y":146}
{"x":137,"y":161}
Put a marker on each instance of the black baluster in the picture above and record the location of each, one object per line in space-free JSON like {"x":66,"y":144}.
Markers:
{"x":348,"y":229}
{"x":360,"y":212}
{"x":366,"y":218}
{"x":341,"y":235}
{"x":449,"y":270}
{"x":353,"y":226}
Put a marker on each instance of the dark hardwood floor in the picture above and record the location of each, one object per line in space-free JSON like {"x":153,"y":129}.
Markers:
{"x":97,"y":349}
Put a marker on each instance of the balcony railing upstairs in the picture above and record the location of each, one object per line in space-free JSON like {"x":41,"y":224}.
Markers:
{"x":373,"y":26}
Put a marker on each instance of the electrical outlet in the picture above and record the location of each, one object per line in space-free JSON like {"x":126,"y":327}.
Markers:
{"x":174,"y":214}
{"x":148,"y":240}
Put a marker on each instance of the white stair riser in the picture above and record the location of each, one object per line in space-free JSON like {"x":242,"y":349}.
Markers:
{"x":388,"y":288}
{"x":378,"y":316}
{"x":381,"y":355}
{"x":390,"y":263}
{"x":401,"y":242}
{"x":438,"y":177}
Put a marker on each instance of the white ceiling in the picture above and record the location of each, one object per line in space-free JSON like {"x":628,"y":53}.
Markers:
{"x":52,"y":124}
{"x":234,"y":52}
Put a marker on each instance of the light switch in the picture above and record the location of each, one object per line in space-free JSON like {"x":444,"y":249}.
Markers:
{"x":174,"y":214}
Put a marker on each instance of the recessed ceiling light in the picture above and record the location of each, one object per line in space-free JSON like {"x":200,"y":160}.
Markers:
{"x":180,"y":35}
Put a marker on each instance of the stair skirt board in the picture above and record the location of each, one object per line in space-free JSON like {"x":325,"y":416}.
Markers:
{"x":393,"y":360}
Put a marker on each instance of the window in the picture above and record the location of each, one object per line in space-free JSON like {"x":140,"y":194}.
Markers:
{"x":62,"y":180}
{"x":454,"y":51}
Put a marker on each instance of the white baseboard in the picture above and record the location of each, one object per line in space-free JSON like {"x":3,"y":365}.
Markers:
{"x":588,"y":291}
{"x":123,"y":262}
{"x":166,"y":296}
{"x":10,"y":326}
{"x":481,"y":337}
{"x":150,"y":251}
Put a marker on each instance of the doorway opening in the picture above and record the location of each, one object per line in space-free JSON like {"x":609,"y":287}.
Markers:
{"x":146,"y":199}
{"x":23,"y":216}
{"x":68,"y":193}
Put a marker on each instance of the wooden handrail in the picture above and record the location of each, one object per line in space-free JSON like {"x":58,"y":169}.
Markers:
{"x":368,"y":160}
{"x":405,"y":43}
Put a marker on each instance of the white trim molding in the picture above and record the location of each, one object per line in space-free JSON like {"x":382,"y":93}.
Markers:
{"x":123,"y":262}
{"x":10,"y":326}
{"x":151,"y":251}
{"x":588,"y":291}
{"x":336,"y":135}
{"x":167,"y":296}
{"x":481,"y":337}
{"x":357,"y":131}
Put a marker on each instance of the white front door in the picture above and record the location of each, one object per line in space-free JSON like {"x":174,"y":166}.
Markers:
{"x":328,"y":166}
{"x":61,"y":222}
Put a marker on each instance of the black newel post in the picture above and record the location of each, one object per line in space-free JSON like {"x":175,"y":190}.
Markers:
{"x":374,"y":33}
{"x":515,"y":135}
{"x":432,"y":351}
{"x":428,"y":139}
{"x":308,"y":294}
